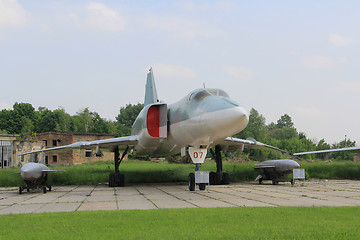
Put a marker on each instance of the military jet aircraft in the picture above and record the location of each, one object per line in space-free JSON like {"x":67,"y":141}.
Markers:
{"x":35,"y":176}
{"x":203,"y":119}
{"x":275,"y":170}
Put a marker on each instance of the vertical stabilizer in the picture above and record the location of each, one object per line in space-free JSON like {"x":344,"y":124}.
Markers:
{"x":150,"y":89}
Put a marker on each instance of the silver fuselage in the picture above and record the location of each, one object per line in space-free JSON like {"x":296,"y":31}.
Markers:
{"x":32,"y":171}
{"x":277,"y":167}
{"x":203,"y":118}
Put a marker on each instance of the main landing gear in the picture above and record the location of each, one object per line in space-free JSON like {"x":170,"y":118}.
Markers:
{"x":116,"y":179}
{"x":38,"y":184}
{"x":219,"y":177}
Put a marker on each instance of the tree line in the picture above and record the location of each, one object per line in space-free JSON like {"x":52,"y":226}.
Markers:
{"x":26,"y":121}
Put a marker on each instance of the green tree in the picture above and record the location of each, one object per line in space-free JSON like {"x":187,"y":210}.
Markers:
{"x":322,"y":145}
{"x":64,"y":120}
{"x":285,"y":121}
{"x":47,"y":121}
{"x":126,"y":118}
{"x":343,"y":155}
{"x":256,"y":127}
{"x":83,"y":121}
{"x":12,"y":121}
{"x":284,"y":133}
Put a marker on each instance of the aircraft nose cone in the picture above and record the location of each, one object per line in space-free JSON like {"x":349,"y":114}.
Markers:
{"x":296,"y":165}
{"x":227,"y":121}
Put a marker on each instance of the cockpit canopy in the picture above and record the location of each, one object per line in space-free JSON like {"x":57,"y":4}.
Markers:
{"x":203,"y":93}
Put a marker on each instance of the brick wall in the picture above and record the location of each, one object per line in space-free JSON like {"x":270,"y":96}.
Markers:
{"x":73,"y":156}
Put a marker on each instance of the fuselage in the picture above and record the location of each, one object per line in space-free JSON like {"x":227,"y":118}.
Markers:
{"x":280,"y":167}
{"x":203,"y":118}
{"x":32,"y":171}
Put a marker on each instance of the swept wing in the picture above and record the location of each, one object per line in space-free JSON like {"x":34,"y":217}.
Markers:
{"x":235,"y":144}
{"x":110,"y":143}
{"x":330,"y":150}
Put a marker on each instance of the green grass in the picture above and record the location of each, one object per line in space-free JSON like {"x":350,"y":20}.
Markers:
{"x":152,"y":172}
{"x":215,"y":223}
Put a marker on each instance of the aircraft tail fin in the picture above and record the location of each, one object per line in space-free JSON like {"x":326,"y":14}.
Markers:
{"x":150,"y":89}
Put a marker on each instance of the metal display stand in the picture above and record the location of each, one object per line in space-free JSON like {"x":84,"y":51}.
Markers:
{"x":202,"y":177}
{"x":299,"y":173}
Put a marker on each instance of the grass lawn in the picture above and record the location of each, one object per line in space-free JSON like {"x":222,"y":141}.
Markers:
{"x":153,"y":172}
{"x":214,"y":223}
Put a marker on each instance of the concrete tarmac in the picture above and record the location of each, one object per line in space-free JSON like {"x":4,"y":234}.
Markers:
{"x":177,"y":195}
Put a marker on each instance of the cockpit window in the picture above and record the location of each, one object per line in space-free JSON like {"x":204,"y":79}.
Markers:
{"x":213,"y":92}
{"x":201,"y":95}
{"x":223,"y":94}
{"x":218,"y":92}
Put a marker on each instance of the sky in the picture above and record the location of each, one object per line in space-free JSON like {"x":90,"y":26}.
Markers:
{"x":295,"y":57}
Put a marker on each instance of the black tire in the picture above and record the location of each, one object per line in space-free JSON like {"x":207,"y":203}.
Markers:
{"x":122,"y":180}
{"x":225,"y":179}
{"x":49,"y":187}
{"x":20,"y":190}
{"x":292,"y":181}
{"x":202,"y":186}
{"x":218,"y":177}
{"x":111,"y":180}
{"x":260,"y":181}
{"x":44,"y":189}
{"x":274,"y":182}
{"x":191,"y":181}
{"x":28,"y":189}
{"x":212,"y":178}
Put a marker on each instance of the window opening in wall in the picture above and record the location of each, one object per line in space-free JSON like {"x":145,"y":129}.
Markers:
{"x":88,"y":153}
{"x":54,"y":143}
{"x":46,"y":160}
{"x":45,"y":143}
{"x":54,"y":158}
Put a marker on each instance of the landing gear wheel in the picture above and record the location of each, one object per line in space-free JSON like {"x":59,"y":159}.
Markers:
{"x":215,"y":178}
{"x":202,"y":186}
{"x":260,"y":181}
{"x":121,"y":180}
{"x":274,"y":182}
{"x":212,"y":178}
{"x":225,"y":179}
{"x":20,"y":190}
{"x":49,"y":187}
{"x":28,"y":189}
{"x":44,"y":189}
{"x":112,"y":180}
{"x":191,"y":180}
{"x":292,"y":181}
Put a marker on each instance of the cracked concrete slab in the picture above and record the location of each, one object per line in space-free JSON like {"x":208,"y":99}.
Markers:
{"x":177,"y":195}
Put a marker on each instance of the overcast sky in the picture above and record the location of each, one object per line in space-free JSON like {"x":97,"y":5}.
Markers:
{"x":296,"y":57}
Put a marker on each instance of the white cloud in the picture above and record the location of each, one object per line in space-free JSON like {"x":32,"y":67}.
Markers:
{"x":12,"y":14}
{"x":180,"y":27}
{"x":339,"y":40}
{"x":170,"y":71}
{"x":238,"y":72}
{"x":101,"y":17}
{"x":317,"y":62}
{"x":4,"y":105}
